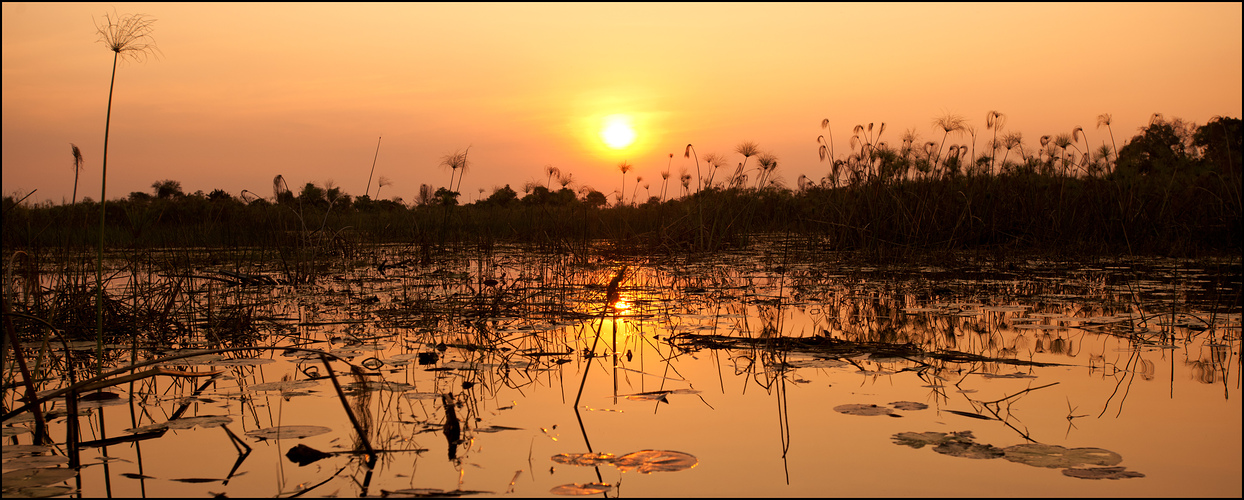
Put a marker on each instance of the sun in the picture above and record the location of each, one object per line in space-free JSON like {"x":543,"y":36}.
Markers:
{"x":617,"y":131}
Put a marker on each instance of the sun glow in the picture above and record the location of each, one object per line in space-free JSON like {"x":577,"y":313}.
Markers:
{"x":617,"y":131}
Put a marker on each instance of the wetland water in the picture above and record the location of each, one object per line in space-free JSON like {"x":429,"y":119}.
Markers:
{"x":747,"y":374}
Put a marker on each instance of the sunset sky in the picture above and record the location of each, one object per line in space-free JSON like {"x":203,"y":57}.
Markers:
{"x":242,"y":92}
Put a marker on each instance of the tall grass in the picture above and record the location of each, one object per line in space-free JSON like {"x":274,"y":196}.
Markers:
{"x":130,"y":36}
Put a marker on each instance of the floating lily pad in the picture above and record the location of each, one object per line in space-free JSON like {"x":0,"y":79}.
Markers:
{"x":908,"y":405}
{"x":580,"y":489}
{"x":968,"y":449}
{"x":1008,"y":375}
{"x":1058,"y":457}
{"x":919,"y":439}
{"x":1101,"y":473}
{"x":863,"y":410}
{"x":289,"y":432}
{"x":958,"y":444}
{"x":243,"y":362}
{"x":30,"y":478}
{"x":645,"y":461}
{"x":207,"y":422}
{"x":17,"y":450}
{"x":649,"y":461}
{"x":35,"y":462}
{"x":584,"y":459}
{"x":203,"y":359}
{"x":377,"y":385}
{"x":13,"y":430}
{"x":284,"y":385}
{"x":39,"y":491}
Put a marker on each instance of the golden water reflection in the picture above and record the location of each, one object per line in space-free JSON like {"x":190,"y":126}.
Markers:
{"x":734,"y":362}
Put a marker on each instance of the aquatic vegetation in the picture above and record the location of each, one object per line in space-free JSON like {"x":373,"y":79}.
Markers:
{"x":478,"y":353}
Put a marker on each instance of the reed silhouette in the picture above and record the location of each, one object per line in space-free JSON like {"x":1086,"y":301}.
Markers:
{"x":456,"y":160}
{"x":1104,"y":120}
{"x":128,"y":36}
{"x":373,"y":168}
{"x":748,"y":149}
{"x":948,"y":123}
{"x":77,"y":168}
{"x":624,"y":167}
{"x":699,"y":180}
{"x":552,"y":172}
{"x":994,"y":121}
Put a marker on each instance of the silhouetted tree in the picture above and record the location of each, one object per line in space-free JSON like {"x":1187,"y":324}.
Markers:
{"x":167,"y":189}
{"x":445,"y":197}
{"x":594,"y":198}
{"x":502,"y":197}
{"x":1162,"y":147}
{"x":312,"y":195}
{"x":1220,"y":140}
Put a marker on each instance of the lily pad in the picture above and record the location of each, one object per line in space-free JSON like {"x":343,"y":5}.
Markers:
{"x":284,"y":385}
{"x":968,"y":449}
{"x":863,"y":410}
{"x":13,"y":430}
{"x":955,"y":444}
{"x":206,"y":421}
{"x":649,"y":461}
{"x":918,"y":439}
{"x":1058,"y":457}
{"x":288,"y":432}
{"x":1101,"y":473}
{"x":40,"y":491}
{"x":17,"y":450}
{"x":584,"y":459}
{"x":580,"y":489}
{"x":30,"y":478}
{"x":35,"y":462}
{"x":243,"y":362}
{"x":908,"y":405}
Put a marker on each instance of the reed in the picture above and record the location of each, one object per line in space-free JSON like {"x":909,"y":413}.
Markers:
{"x":128,"y":36}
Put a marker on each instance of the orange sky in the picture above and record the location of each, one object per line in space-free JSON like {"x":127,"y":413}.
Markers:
{"x":243,"y":92}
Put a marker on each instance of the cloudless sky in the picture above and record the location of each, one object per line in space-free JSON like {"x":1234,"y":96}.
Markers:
{"x":242,"y":92}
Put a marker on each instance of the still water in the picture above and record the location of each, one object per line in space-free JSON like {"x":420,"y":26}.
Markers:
{"x":748,"y":374}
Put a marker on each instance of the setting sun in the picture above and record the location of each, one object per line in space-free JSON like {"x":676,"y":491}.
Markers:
{"x":617,"y":132}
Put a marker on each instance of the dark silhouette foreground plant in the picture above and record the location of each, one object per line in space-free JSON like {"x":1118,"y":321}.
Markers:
{"x":128,"y":36}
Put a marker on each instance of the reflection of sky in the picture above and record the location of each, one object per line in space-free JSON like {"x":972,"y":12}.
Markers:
{"x":1151,"y":405}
